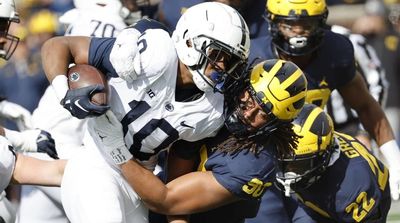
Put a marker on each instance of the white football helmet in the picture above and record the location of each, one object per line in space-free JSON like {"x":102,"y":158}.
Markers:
{"x":8,"y":42}
{"x":211,"y":26}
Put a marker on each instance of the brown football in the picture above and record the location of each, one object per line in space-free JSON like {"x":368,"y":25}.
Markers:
{"x":83,"y":75}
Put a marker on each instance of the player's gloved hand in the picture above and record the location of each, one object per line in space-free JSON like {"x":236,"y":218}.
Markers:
{"x":17,"y":113}
{"x":77,"y":102}
{"x":109,"y":131}
{"x":123,"y":53}
{"x":391,"y":153}
{"x":35,"y":140}
{"x":394,"y":182}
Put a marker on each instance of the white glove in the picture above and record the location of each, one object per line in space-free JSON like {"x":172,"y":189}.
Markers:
{"x":391,"y":153}
{"x":17,"y":113}
{"x":124,"y":52}
{"x":109,"y":131}
{"x":34,"y":140}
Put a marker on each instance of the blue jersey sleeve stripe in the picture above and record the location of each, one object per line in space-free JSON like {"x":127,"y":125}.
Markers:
{"x":99,"y":55}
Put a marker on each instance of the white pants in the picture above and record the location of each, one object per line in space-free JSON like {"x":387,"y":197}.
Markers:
{"x":7,"y":209}
{"x":93,"y":192}
{"x":40,"y":204}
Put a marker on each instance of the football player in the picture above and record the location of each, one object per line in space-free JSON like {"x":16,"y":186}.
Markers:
{"x":368,"y":64}
{"x":101,"y":18}
{"x":17,"y":168}
{"x":33,"y":140}
{"x":236,"y":166}
{"x":334,"y":176}
{"x":298,"y":34}
{"x":98,"y":18}
{"x":162,"y":89}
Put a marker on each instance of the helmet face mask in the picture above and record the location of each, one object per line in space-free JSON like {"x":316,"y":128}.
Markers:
{"x":297,"y":29}
{"x":212,"y":54}
{"x":304,"y":166}
{"x":207,"y":28}
{"x":8,"y":42}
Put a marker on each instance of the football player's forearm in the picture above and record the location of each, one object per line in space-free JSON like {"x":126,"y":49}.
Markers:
{"x":148,"y":186}
{"x":58,"y":52}
{"x":375,"y":122}
{"x":55,"y":57}
{"x":29,"y":170}
{"x":2,"y":131}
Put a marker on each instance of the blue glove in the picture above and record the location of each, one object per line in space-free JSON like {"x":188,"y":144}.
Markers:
{"x":77,"y":101}
{"x":45,"y":144}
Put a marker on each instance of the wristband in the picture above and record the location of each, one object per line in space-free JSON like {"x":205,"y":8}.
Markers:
{"x":390,"y":150}
{"x":60,"y":86}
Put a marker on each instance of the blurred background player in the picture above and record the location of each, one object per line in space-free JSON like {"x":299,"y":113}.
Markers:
{"x":28,"y":140}
{"x":104,"y":18}
{"x":98,"y":18}
{"x":369,"y":66}
{"x":323,"y":168}
{"x":16,"y":168}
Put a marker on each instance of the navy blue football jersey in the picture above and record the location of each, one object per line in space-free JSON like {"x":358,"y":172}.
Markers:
{"x":332,"y":67}
{"x":354,"y":189}
{"x":244,"y":174}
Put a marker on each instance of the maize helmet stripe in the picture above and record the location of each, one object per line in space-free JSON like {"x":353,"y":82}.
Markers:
{"x":316,"y":129}
{"x":280,"y":86}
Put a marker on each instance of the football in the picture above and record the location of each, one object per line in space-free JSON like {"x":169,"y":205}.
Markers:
{"x":83,"y":75}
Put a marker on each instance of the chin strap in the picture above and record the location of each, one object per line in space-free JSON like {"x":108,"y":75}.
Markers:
{"x":286,"y":185}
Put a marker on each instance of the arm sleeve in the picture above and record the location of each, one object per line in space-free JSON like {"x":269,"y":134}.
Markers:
{"x":99,"y":55}
{"x":345,"y":64}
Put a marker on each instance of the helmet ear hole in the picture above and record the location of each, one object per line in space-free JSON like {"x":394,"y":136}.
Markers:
{"x":188,"y":43}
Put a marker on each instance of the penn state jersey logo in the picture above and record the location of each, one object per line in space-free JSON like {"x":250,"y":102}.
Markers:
{"x":74,"y":76}
{"x":169,"y":107}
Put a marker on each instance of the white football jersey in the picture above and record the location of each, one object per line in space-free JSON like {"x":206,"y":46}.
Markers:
{"x":151,"y":117}
{"x":67,"y":130}
{"x":97,"y":22}
{"x":7,"y":161}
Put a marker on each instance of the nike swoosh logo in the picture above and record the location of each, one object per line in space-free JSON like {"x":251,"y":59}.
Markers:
{"x":79,"y":106}
{"x":185,"y":125}
{"x":101,"y":137}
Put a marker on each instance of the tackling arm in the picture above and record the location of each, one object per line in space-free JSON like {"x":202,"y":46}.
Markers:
{"x":190,"y":193}
{"x":29,"y":170}
{"x":193,"y":192}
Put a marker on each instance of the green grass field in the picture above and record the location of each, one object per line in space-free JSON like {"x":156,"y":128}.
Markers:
{"x":394,"y":213}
